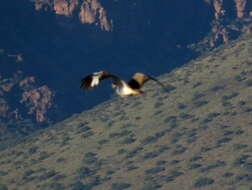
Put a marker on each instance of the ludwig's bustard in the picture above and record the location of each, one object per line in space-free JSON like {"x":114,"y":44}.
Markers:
{"x":121,"y":87}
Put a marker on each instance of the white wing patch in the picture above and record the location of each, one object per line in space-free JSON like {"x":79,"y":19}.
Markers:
{"x":95,"y":80}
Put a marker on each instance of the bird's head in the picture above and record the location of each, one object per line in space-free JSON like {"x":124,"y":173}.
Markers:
{"x":113,"y":85}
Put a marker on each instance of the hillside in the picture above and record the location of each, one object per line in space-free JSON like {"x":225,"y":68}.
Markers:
{"x":47,"y":46}
{"x":197,"y":136}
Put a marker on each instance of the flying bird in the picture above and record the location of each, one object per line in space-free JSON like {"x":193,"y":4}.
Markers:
{"x":122,"y":88}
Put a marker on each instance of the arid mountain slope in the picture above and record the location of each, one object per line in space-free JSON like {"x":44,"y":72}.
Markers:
{"x":70,"y":38}
{"x":197,"y":136}
{"x":220,"y":12}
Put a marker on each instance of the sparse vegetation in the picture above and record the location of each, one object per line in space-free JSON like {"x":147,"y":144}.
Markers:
{"x":199,"y":132}
{"x":120,"y":186}
{"x":203,"y":181}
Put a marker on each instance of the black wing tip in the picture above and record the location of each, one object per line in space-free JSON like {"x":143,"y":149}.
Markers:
{"x":86,"y":82}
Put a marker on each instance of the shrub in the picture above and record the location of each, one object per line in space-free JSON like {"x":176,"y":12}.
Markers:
{"x":121,"y":134}
{"x":150,"y":139}
{"x":244,"y":177}
{"x":3,"y":173}
{"x":239,"y":78}
{"x":217,"y":164}
{"x":195,"y":158}
{"x":43,"y":155}
{"x":248,"y":166}
{"x":185,"y":116}
{"x":128,"y":140}
{"x":174,"y":162}
{"x":228,"y":174}
{"x":163,"y":148}
{"x":241,"y":160}
{"x":61,"y":159}
{"x":179,"y":150}
{"x":169,"y":178}
{"x":197,"y":84}
{"x":3,"y":187}
{"x":79,"y":186}
{"x":170,"y":119}
{"x":194,"y":166}
{"x":85,"y":172}
{"x":88,"y":134}
{"x":249,"y":83}
{"x":121,"y":151}
{"x":154,"y":170}
{"x":90,"y":158}
{"x":150,"y":155}
{"x":200,"y":103}
{"x":240,"y":146}
{"x":217,"y":88}
{"x":176,"y":137}
{"x":151,"y":186}
{"x":84,"y":129}
{"x":132,"y":168}
{"x":176,"y":173}
{"x":33,"y":150}
{"x":120,"y":186}
{"x":161,"y":162}
{"x":213,"y":115}
{"x":134,"y":152}
{"x":203,"y":181}
{"x":197,"y":96}
{"x":228,"y":97}
{"x":28,"y":173}
{"x":205,"y":149}
{"x":223,"y":141}
{"x":47,"y":175}
{"x":56,"y":186}
{"x":158,"y":104}
{"x":182,"y":106}
{"x":103,"y":141}
{"x":160,"y":134}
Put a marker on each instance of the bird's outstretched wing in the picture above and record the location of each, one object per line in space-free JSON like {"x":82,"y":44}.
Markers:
{"x":93,"y":80}
{"x":138,"y":80}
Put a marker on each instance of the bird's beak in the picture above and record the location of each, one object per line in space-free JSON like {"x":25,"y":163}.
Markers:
{"x":113,"y":85}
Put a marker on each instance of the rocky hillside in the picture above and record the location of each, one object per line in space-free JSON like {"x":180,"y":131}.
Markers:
{"x":49,"y":45}
{"x":197,"y":136}
{"x":220,"y":12}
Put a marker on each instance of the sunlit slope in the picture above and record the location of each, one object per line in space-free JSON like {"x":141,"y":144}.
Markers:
{"x":197,"y":136}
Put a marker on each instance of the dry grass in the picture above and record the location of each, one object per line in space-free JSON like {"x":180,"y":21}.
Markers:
{"x":197,"y":136}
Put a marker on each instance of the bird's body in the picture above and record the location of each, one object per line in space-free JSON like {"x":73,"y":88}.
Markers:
{"x":125,"y":90}
{"x":121,"y":87}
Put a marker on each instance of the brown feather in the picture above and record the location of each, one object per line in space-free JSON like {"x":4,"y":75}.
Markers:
{"x":86,"y":82}
{"x":138,"y":80}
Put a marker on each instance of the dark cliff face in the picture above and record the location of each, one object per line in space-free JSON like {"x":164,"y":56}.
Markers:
{"x":60,"y":41}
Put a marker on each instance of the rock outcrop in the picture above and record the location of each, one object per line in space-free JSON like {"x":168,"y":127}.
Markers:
{"x":92,"y":12}
{"x":30,"y":98}
{"x":226,"y":13}
{"x":38,"y":101}
{"x":89,"y":11}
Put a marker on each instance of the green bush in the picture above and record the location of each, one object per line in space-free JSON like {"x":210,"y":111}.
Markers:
{"x":181,"y":106}
{"x":134,"y":152}
{"x":200,"y":103}
{"x":120,"y":186}
{"x":203,"y":181}
{"x":154,"y":170}
{"x":249,"y":83}
{"x":128,"y":140}
{"x":3,"y":187}
{"x":85,"y":172}
{"x":149,"y":155}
